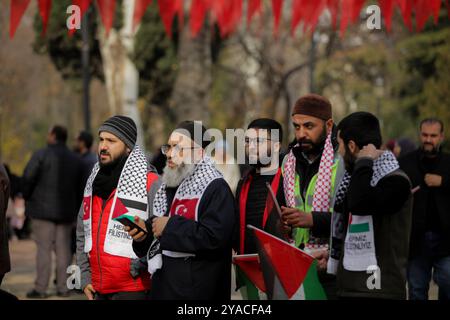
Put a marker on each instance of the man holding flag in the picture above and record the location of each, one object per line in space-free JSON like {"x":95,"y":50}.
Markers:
{"x":311,"y":171}
{"x":255,"y":205}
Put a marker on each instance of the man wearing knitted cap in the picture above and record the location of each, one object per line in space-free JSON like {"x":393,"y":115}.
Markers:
{"x":311,"y":171}
{"x":121,"y":184}
{"x":189,"y":238}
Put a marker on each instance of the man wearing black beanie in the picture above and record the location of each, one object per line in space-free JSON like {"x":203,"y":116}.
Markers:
{"x":121,"y":184}
{"x":190,"y":235}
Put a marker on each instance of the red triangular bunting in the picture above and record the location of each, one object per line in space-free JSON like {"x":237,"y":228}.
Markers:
{"x":253,"y":7}
{"x":277,"y":6}
{"x":199,"y":8}
{"x":84,"y":6}
{"x":387,"y":9}
{"x":44,"y":11}
{"x":140,"y":6}
{"x":228,"y":14}
{"x":312,"y":12}
{"x":333,"y":7}
{"x":107,"y":10}
{"x":406,"y":11}
{"x":297,"y":14}
{"x":167,"y":10}
{"x":350,"y":10}
{"x":435,"y":8}
{"x":18,"y":8}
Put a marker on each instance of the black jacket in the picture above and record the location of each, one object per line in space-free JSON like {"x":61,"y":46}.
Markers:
{"x":412,"y":164}
{"x":273,"y":218}
{"x":5,"y":265}
{"x":52,"y":184}
{"x":207,"y":276}
{"x":390,"y":205}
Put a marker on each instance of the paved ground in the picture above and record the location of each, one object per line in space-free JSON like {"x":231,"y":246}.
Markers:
{"x":21,"y":279}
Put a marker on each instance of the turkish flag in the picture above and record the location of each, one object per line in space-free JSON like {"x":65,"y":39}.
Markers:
{"x":184,"y":207}
{"x":18,"y":8}
{"x":86,"y":208}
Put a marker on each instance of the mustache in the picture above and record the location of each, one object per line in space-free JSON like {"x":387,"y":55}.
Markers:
{"x":305,"y":141}
{"x":104,"y":153}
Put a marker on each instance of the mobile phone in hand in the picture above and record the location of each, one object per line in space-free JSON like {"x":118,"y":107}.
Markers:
{"x":129,"y":222}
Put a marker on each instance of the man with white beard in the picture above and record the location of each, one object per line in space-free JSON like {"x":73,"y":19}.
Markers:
{"x":189,"y":238}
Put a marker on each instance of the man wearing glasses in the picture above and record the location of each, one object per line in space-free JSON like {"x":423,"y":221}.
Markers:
{"x":188,"y":239}
{"x":262,"y":149}
{"x":263,"y":140}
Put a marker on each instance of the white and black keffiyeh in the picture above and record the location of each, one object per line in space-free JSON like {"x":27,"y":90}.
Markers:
{"x":382,"y":166}
{"x":130,"y":198}
{"x":192,"y":187}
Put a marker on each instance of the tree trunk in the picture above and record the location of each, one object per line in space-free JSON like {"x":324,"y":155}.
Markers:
{"x":190,"y":96}
{"x":121,"y":75}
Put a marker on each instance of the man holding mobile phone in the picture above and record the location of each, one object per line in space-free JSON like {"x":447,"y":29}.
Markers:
{"x":121,"y":184}
{"x":189,"y":238}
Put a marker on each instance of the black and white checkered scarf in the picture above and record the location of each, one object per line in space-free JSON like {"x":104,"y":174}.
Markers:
{"x":192,"y":187}
{"x":382,"y":166}
{"x":130,"y":198}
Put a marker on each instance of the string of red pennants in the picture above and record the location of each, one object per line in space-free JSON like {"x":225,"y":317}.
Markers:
{"x":227,"y":14}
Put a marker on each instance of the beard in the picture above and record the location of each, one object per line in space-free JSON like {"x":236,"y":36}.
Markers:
{"x":315,"y":147}
{"x":112,"y":164}
{"x":430,"y":153}
{"x":174,"y":177}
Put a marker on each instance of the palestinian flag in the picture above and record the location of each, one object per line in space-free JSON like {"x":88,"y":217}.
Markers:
{"x":289,"y":273}
{"x":249,"y":277}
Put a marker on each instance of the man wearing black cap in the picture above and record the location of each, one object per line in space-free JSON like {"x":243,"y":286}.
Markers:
{"x":190,"y":234}
{"x":121,"y":184}
{"x":311,"y":171}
